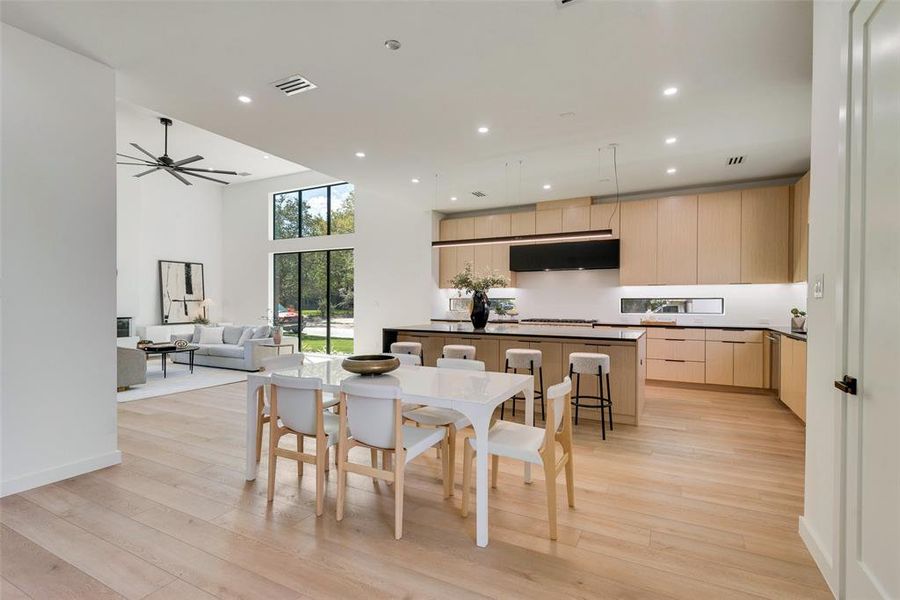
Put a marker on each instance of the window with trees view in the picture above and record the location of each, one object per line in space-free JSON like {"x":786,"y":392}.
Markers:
{"x":325,"y":210}
{"x":314,"y":299}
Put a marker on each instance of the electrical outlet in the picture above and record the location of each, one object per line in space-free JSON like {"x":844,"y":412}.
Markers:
{"x":819,"y":286}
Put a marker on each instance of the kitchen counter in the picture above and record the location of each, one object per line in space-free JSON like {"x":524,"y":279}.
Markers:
{"x":542,"y":331}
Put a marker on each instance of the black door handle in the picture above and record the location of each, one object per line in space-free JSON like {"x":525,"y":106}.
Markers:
{"x":847,"y":385}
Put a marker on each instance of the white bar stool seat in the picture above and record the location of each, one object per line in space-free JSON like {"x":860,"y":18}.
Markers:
{"x":414,"y":348}
{"x":458,"y":351}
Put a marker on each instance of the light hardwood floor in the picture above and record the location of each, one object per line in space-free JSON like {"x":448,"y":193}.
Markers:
{"x":700,"y":501}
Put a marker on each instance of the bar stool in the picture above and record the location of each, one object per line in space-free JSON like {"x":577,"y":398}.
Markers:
{"x":592,"y":363}
{"x":408,"y":348}
{"x":458,"y":351}
{"x":525,"y":358}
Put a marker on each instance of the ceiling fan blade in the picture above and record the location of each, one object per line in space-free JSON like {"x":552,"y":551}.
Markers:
{"x":144,"y":151}
{"x":140,"y":164}
{"x":178,"y":177}
{"x":208,"y":171}
{"x":153,"y":170}
{"x":194,"y":158}
{"x":205,"y":177}
{"x":134,"y":157}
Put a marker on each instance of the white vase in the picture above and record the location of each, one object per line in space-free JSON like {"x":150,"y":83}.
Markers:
{"x":276,"y":335}
{"x":798,"y":323}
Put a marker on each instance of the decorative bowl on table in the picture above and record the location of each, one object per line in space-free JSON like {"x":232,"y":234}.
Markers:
{"x":370,"y":364}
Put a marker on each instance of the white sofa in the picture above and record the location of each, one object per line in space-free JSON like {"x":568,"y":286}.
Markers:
{"x":240,"y":347}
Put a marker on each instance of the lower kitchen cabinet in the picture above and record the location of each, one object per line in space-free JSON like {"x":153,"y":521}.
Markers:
{"x":792,"y":388}
{"x":720,"y":363}
{"x":734,"y":363}
{"x":684,"y":371}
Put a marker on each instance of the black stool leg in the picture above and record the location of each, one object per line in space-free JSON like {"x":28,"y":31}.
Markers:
{"x":541,"y":378}
{"x":577,"y":395}
{"x":609,"y":404}
{"x":602,"y":413}
{"x":503,"y":406}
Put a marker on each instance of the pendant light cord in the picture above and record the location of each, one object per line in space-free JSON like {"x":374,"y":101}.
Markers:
{"x":616,"y":172}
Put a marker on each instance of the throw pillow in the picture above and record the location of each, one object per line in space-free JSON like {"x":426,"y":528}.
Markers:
{"x":211,"y":335}
{"x":196,"y":337}
{"x":232,"y":334}
{"x":245,"y":335}
{"x":262,"y":332}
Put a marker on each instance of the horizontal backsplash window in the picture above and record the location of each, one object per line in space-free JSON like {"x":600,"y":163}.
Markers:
{"x":687,"y":306}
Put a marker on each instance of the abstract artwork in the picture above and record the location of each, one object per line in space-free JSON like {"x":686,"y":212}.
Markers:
{"x":181,"y":291}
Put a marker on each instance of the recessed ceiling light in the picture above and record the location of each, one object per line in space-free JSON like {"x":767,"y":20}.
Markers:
{"x":266,"y":156}
{"x":245,"y":99}
{"x":671,"y":170}
{"x":483,"y":129}
{"x":671,"y":140}
{"x":452,"y":198}
{"x":547,"y":186}
{"x":392,"y":44}
{"x":415,"y":180}
{"x":567,"y":115}
{"x":670,"y":91}
{"x":360,"y":155}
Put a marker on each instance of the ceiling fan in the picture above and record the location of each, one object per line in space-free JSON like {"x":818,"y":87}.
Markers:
{"x":175,"y":168}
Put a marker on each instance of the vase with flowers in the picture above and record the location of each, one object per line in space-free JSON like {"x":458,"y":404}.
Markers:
{"x":478,"y":286}
{"x":798,"y":319}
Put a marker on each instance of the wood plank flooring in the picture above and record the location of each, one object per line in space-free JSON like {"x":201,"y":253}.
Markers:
{"x":700,"y":501}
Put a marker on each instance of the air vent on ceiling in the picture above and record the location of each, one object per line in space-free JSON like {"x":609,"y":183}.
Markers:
{"x":736,"y":160}
{"x":479,"y":194}
{"x":294,"y":85}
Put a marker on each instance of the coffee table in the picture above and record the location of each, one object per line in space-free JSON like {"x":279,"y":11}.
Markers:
{"x":163,"y":353}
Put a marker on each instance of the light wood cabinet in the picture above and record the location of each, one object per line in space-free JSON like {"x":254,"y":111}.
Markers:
{"x":447,"y":256}
{"x":765,"y":235}
{"x":638,"y":246}
{"x":676,"y":333}
{"x":800,"y":229}
{"x":683,"y":350}
{"x":606,"y":216}
{"x":484,"y":259}
{"x":465,"y":230}
{"x":522,"y":223}
{"x":675,"y":370}
{"x":501,"y":226}
{"x":482,"y":255}
{"x":792,"y":389}
{"x":676,"y":248}
{"x":737,"y":363}
{"x":486,"y":348}
{"x":719,"y":238}
{"x":548,"y":221}
{"x":432,"y":346}
{"x":576,"y":218}
{"x":719,"y":363}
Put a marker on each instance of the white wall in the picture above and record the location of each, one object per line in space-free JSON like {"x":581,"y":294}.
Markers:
{"x":819,"y":523}
{"x":58,"y":264}
{"x":392,"y":273}
{"x":160,"y":218}
{"x":597,"y":295}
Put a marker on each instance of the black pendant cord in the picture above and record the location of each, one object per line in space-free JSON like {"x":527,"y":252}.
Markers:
{"x":165,"y":139}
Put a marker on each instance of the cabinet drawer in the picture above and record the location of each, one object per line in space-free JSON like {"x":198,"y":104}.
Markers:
{"x":675,"y":370}
{"x":751,"y":336}
{"x":676,"y":333}
{"x":693,"y":350}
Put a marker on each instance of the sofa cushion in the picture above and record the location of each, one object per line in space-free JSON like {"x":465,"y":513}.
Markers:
{"x":231,"y":334}
{"x":201,"y":349}
{"x":262,"y":332}
{"x":227,"y":350}
{"x":196,"y":337}
{"x":211,"y":335}
{"x":246,"y":334}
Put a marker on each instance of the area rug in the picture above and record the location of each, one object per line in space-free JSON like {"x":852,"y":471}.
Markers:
{"x":179,"y":379}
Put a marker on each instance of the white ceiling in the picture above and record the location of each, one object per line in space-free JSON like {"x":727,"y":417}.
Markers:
{"x":142,"y":126}
{"x":743,"y":70}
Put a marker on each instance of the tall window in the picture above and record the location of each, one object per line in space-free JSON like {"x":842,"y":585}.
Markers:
{"x":314,"y":297}
{"x":324,"y":210}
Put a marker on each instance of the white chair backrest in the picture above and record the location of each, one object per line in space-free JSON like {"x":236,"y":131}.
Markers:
{"x":297,"y":402}
{"x":370,"y":412}
{"x":557,"y":395}
{"x":460,"y":363}
{"x":407,"y":359}
{"x":285,"y":361}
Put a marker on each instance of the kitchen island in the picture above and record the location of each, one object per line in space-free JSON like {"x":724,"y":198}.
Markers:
{"x":626,"y":349}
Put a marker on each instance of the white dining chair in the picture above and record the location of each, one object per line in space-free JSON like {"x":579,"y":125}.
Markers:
{"x":297,"y":408}
{"x":271,"y":364}
{"x":372,"y":412}
{"x":452,"y":420}
{"x":407,"y":359}
{"x":550,"y":447}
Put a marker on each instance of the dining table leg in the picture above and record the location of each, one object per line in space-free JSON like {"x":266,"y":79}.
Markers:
{"x":250,"y":441}
{"x":481,"y":427}
{"x":529,"y":417}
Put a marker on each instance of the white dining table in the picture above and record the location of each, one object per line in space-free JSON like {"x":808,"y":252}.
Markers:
{"x":473,"y":393}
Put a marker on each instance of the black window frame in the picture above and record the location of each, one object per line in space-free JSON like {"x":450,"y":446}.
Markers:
{"x":299,"y":192}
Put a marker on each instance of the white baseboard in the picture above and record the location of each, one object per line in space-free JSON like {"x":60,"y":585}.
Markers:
{"x":819,"y":554}
{"x":33,"y":480}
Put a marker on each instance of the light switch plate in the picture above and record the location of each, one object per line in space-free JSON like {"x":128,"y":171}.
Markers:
{"x":819,"y":286}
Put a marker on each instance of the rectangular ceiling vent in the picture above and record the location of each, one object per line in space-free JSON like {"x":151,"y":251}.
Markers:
{"x":294,"y":84}
{"x":736,"y":160}
{"x":478,"y":194}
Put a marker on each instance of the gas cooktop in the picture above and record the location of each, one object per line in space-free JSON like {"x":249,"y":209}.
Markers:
{"x":570,"y":322}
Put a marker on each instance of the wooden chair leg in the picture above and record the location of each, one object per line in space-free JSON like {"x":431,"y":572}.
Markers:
{"x":386,"y":462}
{"x":399,"y":459}
{"x":570,"y":481}
{"x":495,"y":470}
{"x":445,"y":464}
{"x":468,"y":456}
{"x":342,"y":480}
{"x":260,"y":421}
{"x":273,"y":445}
{"x":327,"y":458}
{"x":550,"y":482}
{"x":373,"y":453}
{"x":300,"y":449}
{"x":321,"y":462}
{"x":451,"y":457}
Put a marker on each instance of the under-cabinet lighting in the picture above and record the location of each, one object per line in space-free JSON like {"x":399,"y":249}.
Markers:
{"x":568,"y":236}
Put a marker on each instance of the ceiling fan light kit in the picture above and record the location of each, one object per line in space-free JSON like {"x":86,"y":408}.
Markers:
{"x":175,"y":168}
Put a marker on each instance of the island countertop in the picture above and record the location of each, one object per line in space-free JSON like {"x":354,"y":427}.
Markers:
{"x":542,"y":331}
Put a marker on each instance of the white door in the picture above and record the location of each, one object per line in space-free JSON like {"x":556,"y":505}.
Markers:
{"x":872,"y":540}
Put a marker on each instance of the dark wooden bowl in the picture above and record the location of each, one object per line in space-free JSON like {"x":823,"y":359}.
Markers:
{"x":370,"y":364}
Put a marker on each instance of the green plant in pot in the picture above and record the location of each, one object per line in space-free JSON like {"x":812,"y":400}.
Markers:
{"x":798,"y":319}
{"x":478,"y":286}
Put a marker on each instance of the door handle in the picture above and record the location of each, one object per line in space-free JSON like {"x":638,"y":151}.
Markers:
{"x":847,"y":385}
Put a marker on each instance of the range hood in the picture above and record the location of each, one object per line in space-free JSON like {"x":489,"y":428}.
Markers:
{"x":566,"y":256}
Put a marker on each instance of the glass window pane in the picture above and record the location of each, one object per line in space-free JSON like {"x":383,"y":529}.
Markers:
{"x":313,"y":302}
{"x":342,"y":208}
{"x":341,"y":297}
{"x":286,"y":296}
{"x":286,"y":215}
{"x":314,"y":212}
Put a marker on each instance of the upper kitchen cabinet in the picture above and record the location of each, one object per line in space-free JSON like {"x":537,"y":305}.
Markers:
{"x":557,"y":216}
{"x":606,"y":216}
{"x":522,"y":223}
{"x":719,"y":238}
{"x":482,"y":260}
{"x":765,"y":235}
{"x":638,"y":246}
{"x":800,"y":229}
{"x":676,"y":247}
{"x":501,"y":226}
{"x":465,"y":230}
{"x":447,"y":256}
